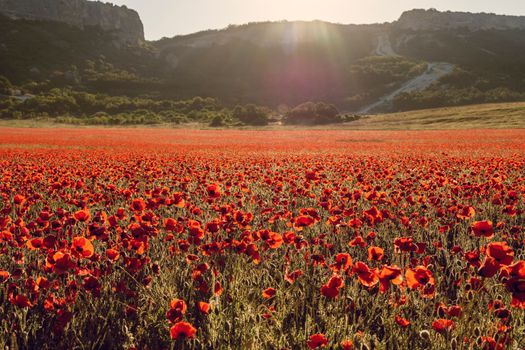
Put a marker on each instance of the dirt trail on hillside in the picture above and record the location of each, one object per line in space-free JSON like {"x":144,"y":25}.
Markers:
{"x":434,"y":72}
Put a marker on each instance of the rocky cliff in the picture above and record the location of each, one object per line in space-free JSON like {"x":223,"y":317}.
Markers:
{"x":123,"y":22}
{"x":436,"y":20}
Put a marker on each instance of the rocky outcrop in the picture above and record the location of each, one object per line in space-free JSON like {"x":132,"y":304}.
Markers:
{"x":123,"y":22}
{"x":436,"y":20}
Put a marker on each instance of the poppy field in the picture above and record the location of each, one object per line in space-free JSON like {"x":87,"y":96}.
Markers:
{"x":187,"y":239}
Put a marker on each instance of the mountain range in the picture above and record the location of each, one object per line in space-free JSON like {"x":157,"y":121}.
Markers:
{"x":427,"y":58}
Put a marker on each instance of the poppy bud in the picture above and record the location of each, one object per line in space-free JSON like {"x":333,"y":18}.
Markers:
{"x":502,"y":313}
{"x":454,"y":343}
{"x":424,"y":334}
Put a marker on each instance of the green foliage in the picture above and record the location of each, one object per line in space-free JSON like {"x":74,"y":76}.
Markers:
{"x":5,"y":86}
{"x":373,"y":77}
{"x":217,"y":121}
{"x":66,"y":102}
{"x":69,"y":106}
{"x":251,"y":114}
{"x":313,"y":113}
{"x":436,"y":97}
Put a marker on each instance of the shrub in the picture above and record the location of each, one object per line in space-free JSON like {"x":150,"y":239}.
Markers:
{"x":5,"y":86}
{"x":217,"y":121}
{"x":251,"y":114}
{"x":311,"y":113}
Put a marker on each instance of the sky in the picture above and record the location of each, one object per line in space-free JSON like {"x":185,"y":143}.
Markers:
{"x":167,"y":18}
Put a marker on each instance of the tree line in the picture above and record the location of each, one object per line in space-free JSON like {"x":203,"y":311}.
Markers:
{"x":65,"y":105}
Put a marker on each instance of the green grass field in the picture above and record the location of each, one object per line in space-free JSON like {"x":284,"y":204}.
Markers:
{"x":501,"y":115}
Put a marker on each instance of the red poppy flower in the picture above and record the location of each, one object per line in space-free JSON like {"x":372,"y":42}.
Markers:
{"x":450,"y":311}
{"x":455,"y":311}
{"x":19,"y":199}
{"x":138,"y":204}
{"x":516,"y":270}
{"x":489,"y":268}
{"x":405,"y":244}
{"x":418,"y":277}
{"x":112,"y":254}
{"x":62,"y":262}
{"x":375,"y":253}
{"x":178,"y":304}
{"x":170,"y":224}
{"x":510,"y":210}
{"x":303,"y":221}
{"x":182,"y":330}
{"x":373,"y":215}
{"x":387,"y":275}
{"x":178,"y":200}
{"x":204,"y":307}
{"x":402,"y":322}
{"x":489,"y":343}
{"x":35,"y":243}
{"x":4,"y":275}
{"x":358,"y":241}
{"x":483,"y":228}
{"x":466,"y":213}
{"x":177,"y":310}
{"x":332,"y":287}
{"x":269,"y":293}
{"x":347,"y":345}
{"x":214,"y":191}
{"x":317,"y":341}
{"x":355,"y":223}
{"x":82,"y":247}
{"x":21,"y":301}
{"x":82,"y":215}
{"x":442,"y":325}
{"x":365,"y":275}
{"x":217,"y":289}
{"x":516,"y":284}
{"x":293,"y":276}
{"x":343,"y":262}
{"x":274,"y":240}
{"x":421,"y":278}
{"x":501,"y":252}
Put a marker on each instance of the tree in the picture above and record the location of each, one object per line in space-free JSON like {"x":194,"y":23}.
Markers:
{"x":251,"y":114}
{"x":217,"y":121}
{"x":312,"y":113}
{"x":5,"y":86}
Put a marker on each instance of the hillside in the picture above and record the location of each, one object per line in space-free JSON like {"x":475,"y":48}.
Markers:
{"x":483,"y":116}
{"x":425,"y":59}
{"x":88,"y":58}
{"x":357,"y":67}
{"x":288,"y":62}
{"x":124,"y":23}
